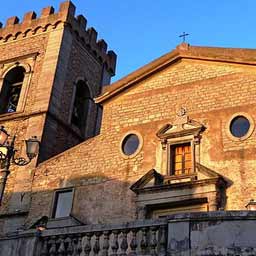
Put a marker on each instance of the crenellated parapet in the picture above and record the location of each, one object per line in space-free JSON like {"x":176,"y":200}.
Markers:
{"x":50,"y":20}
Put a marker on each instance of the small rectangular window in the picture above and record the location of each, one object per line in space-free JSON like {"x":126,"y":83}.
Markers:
{"x":181,"y":159}
{"x":62,"y":203}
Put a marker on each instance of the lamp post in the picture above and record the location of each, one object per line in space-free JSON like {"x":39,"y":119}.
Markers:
{"x":7,"y":155}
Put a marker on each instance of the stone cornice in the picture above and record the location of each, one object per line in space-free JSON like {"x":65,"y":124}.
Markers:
{"x":177,"y":186}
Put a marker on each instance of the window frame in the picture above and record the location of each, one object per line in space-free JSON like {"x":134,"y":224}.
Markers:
{"x":55,"y":200}
{"x":7,"y":86}
{"x":83,"y":130}
{"x":181,"y":206}
{"x":249,"y":132}
{"x":27,"y":65}
{"x":138,"y":150}
{"x":177,"y":142}
{"x":183,"y":130}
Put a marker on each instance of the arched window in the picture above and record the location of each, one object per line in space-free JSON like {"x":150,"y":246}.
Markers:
{"x":81,"y":105}
{"x":10,"y":92}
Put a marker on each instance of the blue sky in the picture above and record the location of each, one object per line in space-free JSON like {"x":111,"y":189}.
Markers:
{"x":142,"y":30}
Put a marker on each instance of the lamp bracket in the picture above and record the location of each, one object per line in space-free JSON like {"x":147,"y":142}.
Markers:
{"x":2,"y":156}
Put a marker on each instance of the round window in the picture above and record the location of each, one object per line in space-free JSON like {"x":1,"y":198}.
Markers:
{"x":239,"y":126}
{"x":130,"y":144}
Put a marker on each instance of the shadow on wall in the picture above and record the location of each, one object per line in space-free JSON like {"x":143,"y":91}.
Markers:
{"x":90,"y":199}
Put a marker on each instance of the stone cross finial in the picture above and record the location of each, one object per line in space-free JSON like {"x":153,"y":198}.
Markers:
{"x":181,"y":112}
{"x":182,"y":117}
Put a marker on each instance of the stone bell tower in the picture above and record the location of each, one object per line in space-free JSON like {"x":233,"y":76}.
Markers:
{"x":51,"y":68}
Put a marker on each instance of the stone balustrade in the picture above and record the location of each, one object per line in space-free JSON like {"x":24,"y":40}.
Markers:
{"x":135,"y":238}
{"x":201,"y":234}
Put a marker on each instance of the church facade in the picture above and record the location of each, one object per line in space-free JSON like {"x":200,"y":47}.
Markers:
{"x":175,"y":136}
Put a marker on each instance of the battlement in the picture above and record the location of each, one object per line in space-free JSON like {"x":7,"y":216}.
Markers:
{"x":50,"y":20}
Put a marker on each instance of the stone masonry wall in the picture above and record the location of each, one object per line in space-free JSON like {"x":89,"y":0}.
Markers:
{"x":17,"y":123}
{"x":211,"y":92}
{"x":74,"y":63}
{"x":42,"y":45}
{"x":23,"y":124}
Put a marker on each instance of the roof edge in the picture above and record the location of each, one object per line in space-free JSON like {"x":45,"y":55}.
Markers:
{"x":138,"y":75}
{"x":182,"y":51}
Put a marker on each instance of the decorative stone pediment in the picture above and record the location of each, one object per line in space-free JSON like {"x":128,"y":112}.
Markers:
{"x":181,"y":127}
{"x":159,"y":194}
{"x":153,"y":180}
{"x":147,"y":179}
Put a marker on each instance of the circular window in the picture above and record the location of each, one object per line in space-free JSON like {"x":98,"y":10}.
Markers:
{"x":130,"y":144}
{"x":239,"y":126}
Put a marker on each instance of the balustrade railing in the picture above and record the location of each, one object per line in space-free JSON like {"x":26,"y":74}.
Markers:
{"x":129,"y":239}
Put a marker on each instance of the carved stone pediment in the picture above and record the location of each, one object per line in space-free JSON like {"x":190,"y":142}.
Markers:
{"x":174,"y":131}
{"x":182,"y":126}
{"x":146,"y":179}
{"x":153,"y":180}
{"x":156,"y":191}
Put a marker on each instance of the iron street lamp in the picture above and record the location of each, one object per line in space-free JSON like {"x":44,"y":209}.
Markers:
{"x":7,"y":155}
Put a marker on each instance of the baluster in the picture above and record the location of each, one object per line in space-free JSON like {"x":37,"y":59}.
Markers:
{"x":124,"y":244}
{"x":105,"y":245}
{"x":53,"y":247}
{"x":115,"y":245}
{"x":144,"y":242}
{"x":96,"y":247}
{"x":162,"y":242}
{"x":153,"y":242}
{"x":62,"y":249}
{"x":44,"y":250}
{"x":74,"y":239}
{"x":87,"y":245}
{"x":70,"y":247}
{"x":133,"y":243}
{"x":78,"y":248}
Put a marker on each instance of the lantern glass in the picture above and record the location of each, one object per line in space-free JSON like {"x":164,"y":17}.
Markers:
{"x":3,"y":136}
{"x":32,"y":147}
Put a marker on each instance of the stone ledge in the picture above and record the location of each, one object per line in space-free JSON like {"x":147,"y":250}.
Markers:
{"x":13,"y":214}
{"x":216,"y":215}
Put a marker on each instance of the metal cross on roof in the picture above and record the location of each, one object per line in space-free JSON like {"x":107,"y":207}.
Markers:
{"x":184,"y":36}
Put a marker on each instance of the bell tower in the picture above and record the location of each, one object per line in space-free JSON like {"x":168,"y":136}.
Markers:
{"x":51,"y":68}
